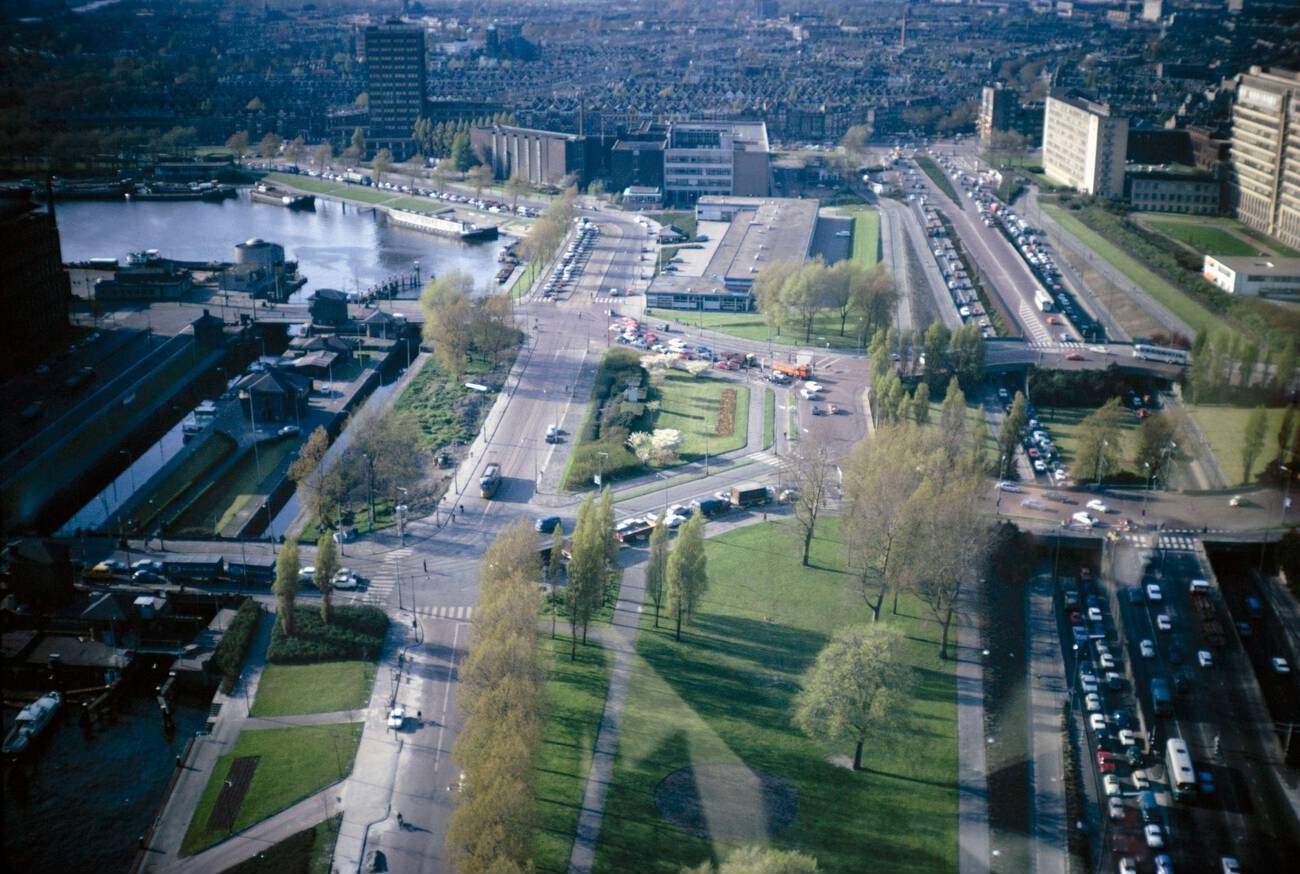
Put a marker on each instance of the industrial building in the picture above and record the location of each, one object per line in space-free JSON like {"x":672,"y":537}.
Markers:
{"x":687,"y":160}
{"x":397,"y":84}
{"x":1253,"y":275}
{"x":1264,"y":161}
{"x":539,"y":156}
{"x":758,"y":231}
{"x":1084,"y":146}
{"x":1166,"y":189}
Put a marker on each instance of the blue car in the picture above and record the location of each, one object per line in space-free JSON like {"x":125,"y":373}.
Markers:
{"x":547,"y":524}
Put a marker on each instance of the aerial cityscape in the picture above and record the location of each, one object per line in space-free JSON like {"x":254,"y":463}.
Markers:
{"x":578,"y":437}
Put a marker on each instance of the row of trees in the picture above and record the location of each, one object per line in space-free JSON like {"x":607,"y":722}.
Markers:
{"x":285,"y":587}
{"x":677,"y":577}
{"x":912,"y":517}
{"x":1224,"y":364}
{"x":501,"y":696}
{"x":593,"y":567}
{"x":942,"y":354}
{"x":550,"y":228}
{"x":957,"y":430}
{"x":791,"y":295}
{"x":457,"y":322}
{"x":451,"y":138}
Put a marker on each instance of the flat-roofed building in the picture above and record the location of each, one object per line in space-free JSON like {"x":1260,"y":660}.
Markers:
{"x":1253,"y":275}
{"x":1264,"y":157}
{"x":1169,"y":189}
{"x":396,"y":85}
{"x":1084,"y":146}
{"x":541,"y":157}
{"x":704,"y":158}
{"x":997,"y":111}
{"x":761,"y":232}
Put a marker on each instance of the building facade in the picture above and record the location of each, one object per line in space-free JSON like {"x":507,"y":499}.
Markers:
{"x":1160,"y":190}
{"x":541,"y":157}
{"x":397,"y":83}
{"x":997,"y":111}
{"x":715,"y":158}
{"x":33,"y":282}
{"x":1253,"y":275}
{"x":1084,"y":146}
{"x":1264,"y":156}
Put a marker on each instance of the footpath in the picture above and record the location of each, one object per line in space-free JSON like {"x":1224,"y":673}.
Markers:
{"x":1047,"y":691}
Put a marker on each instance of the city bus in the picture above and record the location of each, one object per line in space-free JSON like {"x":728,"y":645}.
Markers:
{"x":1162,"y":354}
{"x":1178,"y":768}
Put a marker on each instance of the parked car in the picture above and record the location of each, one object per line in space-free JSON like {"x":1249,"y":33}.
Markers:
{"x":1164,"y":623}
{"x":397,"y":717}
{"x":1007,"y":486}
{"x":1148,"y":648}
{"x":1280,"y":665}
{"x":1110,"y":784}
{"x":1154,"y":835}
{"x":1115,"y":808}
{"x":547,"y":524}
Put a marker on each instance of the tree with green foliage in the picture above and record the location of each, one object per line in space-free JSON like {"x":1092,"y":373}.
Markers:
{"x":1011,"y":433}
{"x":857,"y":690}
{"x":327,"y":565}
{"x":310,"y":474}
{"x":462,"y":156}
{"x":1156,"y":437}
{"x":269,"y":145}
{"x":479,"y":177}
{"x":1101,"y":441}
{"x":966,"y":354}
{"x":380,"y":164}
{"x":937,"y":339}
{"x":609,"y":539}
{"x":1284,"y":372}
{"x":238,"y":145}
{"x":921,"y":404}
{"x":587,"y":572}
{"x":979,"y":444}
{"x":1253,"y":441}
{"x":1286,"y":433}
{"x":953,"y":422}
{"x":760,"y":860}
{"x":447,"y":307}
{"x":323,"y":155}
{"x":656,"y":566}
{"x":688,"y":573}
{"x":286,"y":584}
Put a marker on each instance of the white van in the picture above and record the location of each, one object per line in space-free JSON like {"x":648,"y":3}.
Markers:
{"x":1084,"y":519}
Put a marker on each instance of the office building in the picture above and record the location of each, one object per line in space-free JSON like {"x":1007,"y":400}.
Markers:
{"x":997,"y":111}
{"x":397,"y":83}
{"x":33,"y":283}
{"x":715,"y":158}
{"x":1264,"y":156}
{"x":1253,"y":275}
{"x":1084,"y":146}
{"x":1167,"y":189}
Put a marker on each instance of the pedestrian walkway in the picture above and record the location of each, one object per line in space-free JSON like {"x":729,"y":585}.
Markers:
{"x":620,"y":640}
{"x":460,"y":614}
{"x":972,"y":769}
{"x":1047,"y":689}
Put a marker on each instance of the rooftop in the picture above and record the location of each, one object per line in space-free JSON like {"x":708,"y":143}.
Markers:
{"x":776,"y":229}
{"x":1257,"y":264}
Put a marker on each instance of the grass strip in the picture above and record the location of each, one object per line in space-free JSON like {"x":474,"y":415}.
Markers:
{"x":938,"y":177}
{"x":769,"y":417}
{"x":324,"y":687}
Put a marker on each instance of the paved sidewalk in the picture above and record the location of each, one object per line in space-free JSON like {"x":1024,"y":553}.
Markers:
{"x":253,"y":840}
{"x":620,"y":639}
{"x":1047,"y":690}
{"x":972,"y":783}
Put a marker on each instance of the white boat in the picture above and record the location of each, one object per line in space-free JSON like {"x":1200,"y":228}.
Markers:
{"x":31,"y":721}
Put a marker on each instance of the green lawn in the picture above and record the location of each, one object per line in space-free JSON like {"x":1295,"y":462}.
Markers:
{"x":524,"y":283}
{"x":769,"y":417}
{"x":295,"y":762}
{"x":433,"y":395}
{"x":1204,"y":238}
{"x":723,"y":696}
{"x":684,"y":220}
{"x":691,"y":404}
{"x":1191,"y":312}
{"x":936,"y":174}
{"x":310,"y":851}
{"x":575,"y":700}
{"x":1225,"y":428}
{"x":288,"y":690}
{"x":866,"y":234}
{"x":974,"y":414}
{"x":750,"y":326}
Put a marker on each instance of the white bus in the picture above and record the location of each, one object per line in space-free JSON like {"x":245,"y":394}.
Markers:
{"x":1162,"y":354}
{"x":1178,"y":768}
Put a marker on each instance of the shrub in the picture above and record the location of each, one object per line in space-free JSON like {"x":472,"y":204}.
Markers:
{"x":228,"y":658}
{"x":353,"y":633}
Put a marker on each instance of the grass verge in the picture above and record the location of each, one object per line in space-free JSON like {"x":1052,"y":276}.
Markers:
{"x":293,"y":763}
{"x":575,"y":700}
{"x":750,"y":326}
{"x":866,"y":234}
{"x":1205,"y":239}
{"x":1225,"y":429}
{"x":938,"y":177}
{"x":324,"y":687}
{"x":692,"y":405}
{"x":1064,"y":425}
{"x":769,"y":417}
{"x":723,"y":696}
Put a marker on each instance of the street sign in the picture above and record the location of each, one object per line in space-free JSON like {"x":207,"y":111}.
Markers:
{"x":596,"y":479}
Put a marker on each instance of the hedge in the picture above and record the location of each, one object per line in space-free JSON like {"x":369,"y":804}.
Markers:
{"x":608,"y":422}
{"x":228,"y":657}
{"x":354,"y":633}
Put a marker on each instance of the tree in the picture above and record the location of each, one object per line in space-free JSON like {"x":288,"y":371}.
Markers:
{"x":1253,"y":442}
{"x":327,"y":565}
{"x":515,"y":186}
{"x":381,"y":163}
{"x":874,"y":294}
{"x":462,"y":156}
{"x":596,"y":188}
{"x":492,"y":327}
{"x":808,"y":465}
{"x":445,"y":302}
{"x":295,"y":149}
{"x":688,"y":573}
{"x":855,"y":139}
{"x":254,"y":105}
{"x":1286,"y":433}
{"x":1010,"y":434}
{"x":310,"y":475}
{"x":356,"y":149}
{"x":323,"y":154}
{"x":1100,"y":441}
{"x":966,"y":354}
{"x":478,"y":178}
{"x":555,"y":570}
{"x":770,"y":295}
{"x":858,"y":689}
{"x":761,"y":860}
{"x":656,"y":566}
{"x":937,"y":338}
{"x":286,"y":583}
{"x":921,"y":404}
{"x":604,"y":521}
{"x":238,"y":145}
{"x":953,"y":421}
{"x":1155,"y":438}
{"x":270,"y":145}
{"x":586,"y":571}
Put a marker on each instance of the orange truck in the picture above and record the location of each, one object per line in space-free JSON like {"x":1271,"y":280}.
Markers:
{"x":800,"y":371}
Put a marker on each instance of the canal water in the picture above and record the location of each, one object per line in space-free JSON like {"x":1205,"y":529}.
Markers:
{"x":336,"y":246}
{"x":83,"y":800}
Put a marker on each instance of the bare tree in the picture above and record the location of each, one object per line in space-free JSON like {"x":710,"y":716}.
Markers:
{"x":808,"y":465}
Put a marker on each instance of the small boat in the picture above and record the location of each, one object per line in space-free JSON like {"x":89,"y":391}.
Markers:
{"x":31,"y":721}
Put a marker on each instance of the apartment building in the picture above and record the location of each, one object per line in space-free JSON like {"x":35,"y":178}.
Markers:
{"x":1084,"y":145}
{"x":1264,"y":156}
{"x":397,"y":83}
{"x":997,"y":111}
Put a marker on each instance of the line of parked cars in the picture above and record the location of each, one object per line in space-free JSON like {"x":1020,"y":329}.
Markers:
{"x":573,"y":260}
{"x":485,"y":204}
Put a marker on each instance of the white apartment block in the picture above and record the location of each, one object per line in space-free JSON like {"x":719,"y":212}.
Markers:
{"x":1264,"y":164}
{"x":1084,"y":146}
